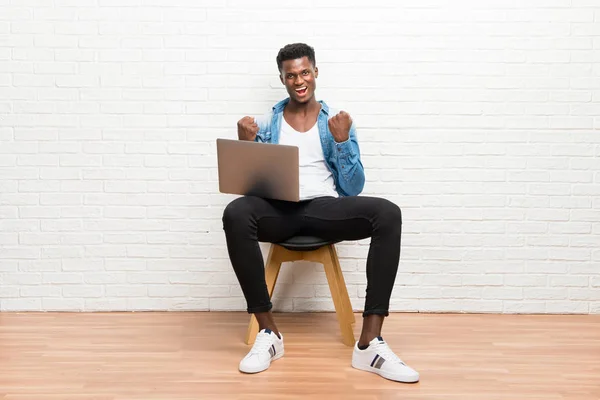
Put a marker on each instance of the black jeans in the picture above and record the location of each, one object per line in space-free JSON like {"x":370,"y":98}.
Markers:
{"x":248,"y":220}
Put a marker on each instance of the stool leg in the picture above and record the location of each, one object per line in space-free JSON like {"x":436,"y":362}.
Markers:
{"x":337,"y":294}
{"x":343,"y":287}
{"x":271,"y":273}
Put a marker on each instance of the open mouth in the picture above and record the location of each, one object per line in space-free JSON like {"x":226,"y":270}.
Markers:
{"x":302,"y":91}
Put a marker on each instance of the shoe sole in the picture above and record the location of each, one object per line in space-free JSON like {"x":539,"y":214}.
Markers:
{"x":391,"y":377}
{"x":261,"y":369}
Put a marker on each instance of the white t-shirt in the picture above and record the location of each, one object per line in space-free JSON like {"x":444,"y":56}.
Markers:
{"x":315,"y":178}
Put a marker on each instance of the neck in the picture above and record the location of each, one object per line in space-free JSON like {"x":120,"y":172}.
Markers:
{"x":303,"y":108}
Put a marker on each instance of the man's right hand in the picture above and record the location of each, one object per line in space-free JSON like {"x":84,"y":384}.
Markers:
{"x":247,"y":129}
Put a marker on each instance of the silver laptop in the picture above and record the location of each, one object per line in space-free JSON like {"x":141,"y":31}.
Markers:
{"x":258,"y":169}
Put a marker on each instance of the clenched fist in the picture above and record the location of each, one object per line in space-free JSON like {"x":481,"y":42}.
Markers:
{"x":339,"y":125}
{"x":247,"y":129}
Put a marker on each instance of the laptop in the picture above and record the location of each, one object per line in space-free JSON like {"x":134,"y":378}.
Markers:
{"x":258,"y":169}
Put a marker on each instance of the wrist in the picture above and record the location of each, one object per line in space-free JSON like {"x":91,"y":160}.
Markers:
{"x":341,"y":139}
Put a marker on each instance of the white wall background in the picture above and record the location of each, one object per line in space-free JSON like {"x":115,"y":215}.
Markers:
{"x":481,"y":119}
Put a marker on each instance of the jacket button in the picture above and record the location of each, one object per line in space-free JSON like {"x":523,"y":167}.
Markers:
{"x":339,"y":149}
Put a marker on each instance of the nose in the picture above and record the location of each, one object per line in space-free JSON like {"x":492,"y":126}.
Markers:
{"x":298,"y":81}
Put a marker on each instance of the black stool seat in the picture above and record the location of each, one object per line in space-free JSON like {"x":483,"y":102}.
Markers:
{"x":305,"y":243}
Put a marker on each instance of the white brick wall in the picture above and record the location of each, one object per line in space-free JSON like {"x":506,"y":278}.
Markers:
{"x":481,"y":119}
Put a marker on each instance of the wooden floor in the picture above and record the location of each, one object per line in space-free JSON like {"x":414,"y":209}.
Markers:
{"x":176,"y":356}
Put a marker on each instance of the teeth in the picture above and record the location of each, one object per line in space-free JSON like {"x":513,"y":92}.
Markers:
{"x":300,"y":89}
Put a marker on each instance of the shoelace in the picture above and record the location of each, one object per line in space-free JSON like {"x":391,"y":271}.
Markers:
{"x":384,"y":351}
{"x":262,"y":343}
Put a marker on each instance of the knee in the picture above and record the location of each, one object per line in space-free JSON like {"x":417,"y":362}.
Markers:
{"x":389,"y":214}
{"x":239,"y":211}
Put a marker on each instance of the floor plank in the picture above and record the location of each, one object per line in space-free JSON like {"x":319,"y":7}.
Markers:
{"x":181,"y":356}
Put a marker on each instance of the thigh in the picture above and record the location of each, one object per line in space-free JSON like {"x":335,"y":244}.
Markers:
{"x":344,"y":218}
{"x":273,"y":220}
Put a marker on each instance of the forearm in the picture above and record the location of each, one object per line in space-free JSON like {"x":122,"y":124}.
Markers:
{"x":351,"y":172}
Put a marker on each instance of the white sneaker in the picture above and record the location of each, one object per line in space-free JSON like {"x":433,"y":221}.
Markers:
{"x":380,"y":359}
{"x":267,"y":347}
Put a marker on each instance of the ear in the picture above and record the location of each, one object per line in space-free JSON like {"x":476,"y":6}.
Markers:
{"x":281,"y":78}
{"x":316,"y":72}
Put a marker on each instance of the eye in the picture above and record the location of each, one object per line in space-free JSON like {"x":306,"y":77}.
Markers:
{"x":289,"y":76}
{"x":305,"y":72}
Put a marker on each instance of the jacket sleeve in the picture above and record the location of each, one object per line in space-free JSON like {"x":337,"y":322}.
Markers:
{"x":351,"y":180}
{"x":264,"y":127}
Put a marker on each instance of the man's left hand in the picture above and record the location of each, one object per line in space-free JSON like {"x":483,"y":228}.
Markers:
{"x":339,"y":125}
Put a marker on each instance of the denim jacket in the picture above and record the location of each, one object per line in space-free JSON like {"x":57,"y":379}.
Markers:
{"x":342,"y":159}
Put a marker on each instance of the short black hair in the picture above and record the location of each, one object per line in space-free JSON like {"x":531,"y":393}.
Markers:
{"x":294,"y":51}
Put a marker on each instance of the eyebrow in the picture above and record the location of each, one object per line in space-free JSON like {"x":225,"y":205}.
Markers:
{"x":293,"y":73}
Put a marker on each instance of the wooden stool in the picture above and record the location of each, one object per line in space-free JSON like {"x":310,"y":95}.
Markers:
{"x":316,"y":250}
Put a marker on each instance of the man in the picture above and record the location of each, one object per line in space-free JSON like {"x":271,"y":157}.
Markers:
{"x":331,"y":177}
